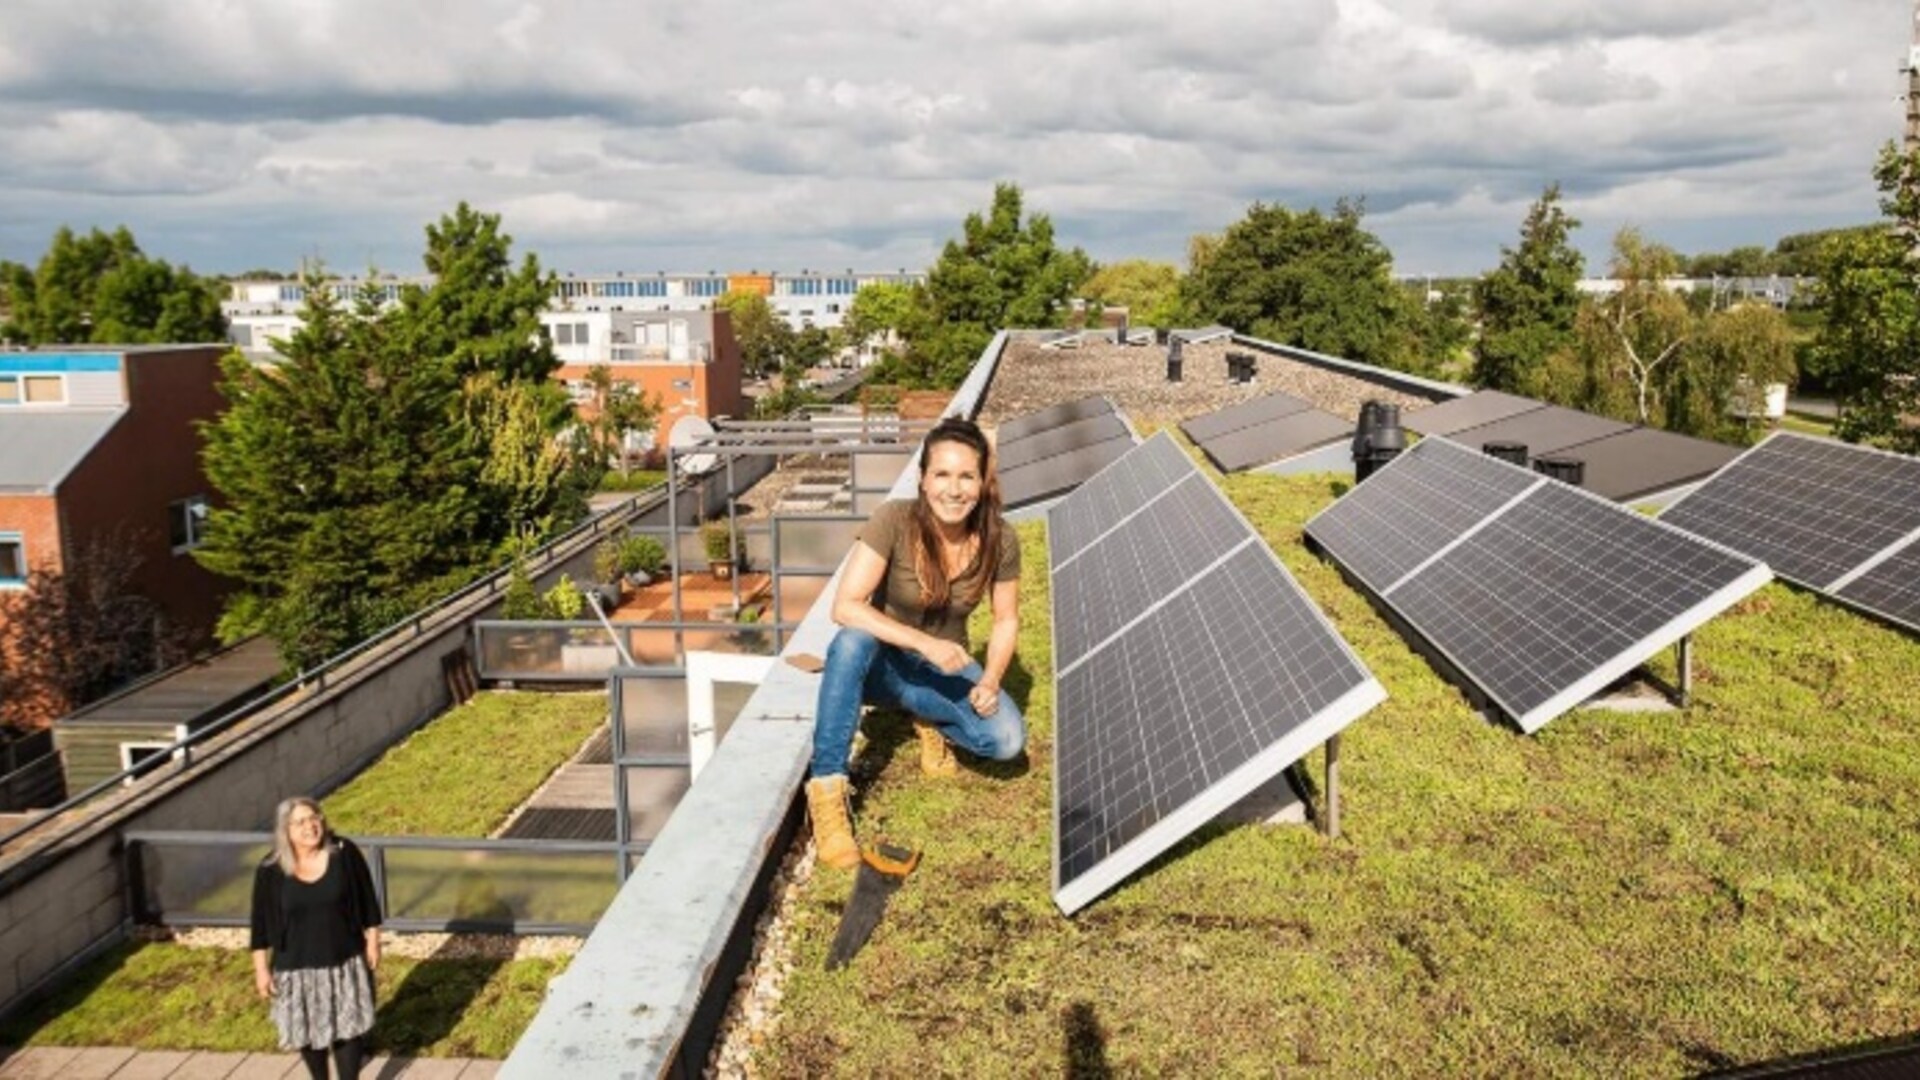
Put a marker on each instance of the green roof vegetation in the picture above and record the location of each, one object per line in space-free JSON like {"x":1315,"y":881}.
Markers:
{"x":172,"y":997}
{"x":1623,"y":894}
{"x":462,"y":774}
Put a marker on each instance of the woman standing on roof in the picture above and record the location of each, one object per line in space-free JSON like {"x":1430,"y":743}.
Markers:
{"x":918,"y":569}
{"x":316,"y":916}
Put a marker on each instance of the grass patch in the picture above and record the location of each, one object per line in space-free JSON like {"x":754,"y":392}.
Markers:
{"x":1621,"y":895}
{"x":462,"y":774}
{"x":1806,"y":425}
{"x":637,"y":480}
{"x":157,"y":996}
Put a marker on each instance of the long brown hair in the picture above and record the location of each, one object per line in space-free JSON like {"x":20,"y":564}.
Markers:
{"x":936,"y":590}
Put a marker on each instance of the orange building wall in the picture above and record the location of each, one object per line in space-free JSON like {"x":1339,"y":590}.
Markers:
{"x":751,"y":283}
{"x":37,"y":519}
{"x":716,"y":389}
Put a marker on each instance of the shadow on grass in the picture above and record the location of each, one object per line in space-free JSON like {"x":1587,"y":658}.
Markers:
{"x":429,"y":1003}
{"x":1085,"y":1052}
{"x":19,"y":1027}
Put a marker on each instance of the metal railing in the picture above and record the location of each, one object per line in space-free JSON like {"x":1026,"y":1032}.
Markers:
{"x":180,"y":755}
{"x":425,"y":884}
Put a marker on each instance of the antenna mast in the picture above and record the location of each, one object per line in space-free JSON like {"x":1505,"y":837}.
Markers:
{"x":1912,"y":70}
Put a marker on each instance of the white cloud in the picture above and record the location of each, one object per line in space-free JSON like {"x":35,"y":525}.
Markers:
{"x":736,"y":134}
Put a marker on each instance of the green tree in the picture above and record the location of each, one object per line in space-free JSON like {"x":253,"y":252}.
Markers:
{"x":1002,"y":271}
{"x":883,"y":310}
{"x":1317,"y":281}
{"x":1629,"y":339}
{"x":1527,"y":305}
{"x":764,"y":337}
{"x":619,"y":408}
{"x":1867,"y":348}
{"x":1715,"y":391}
{"x":101,"y":287}
{"x":350,"y":496}
{"x":481,"y":313}
{"x":1150,"y":291}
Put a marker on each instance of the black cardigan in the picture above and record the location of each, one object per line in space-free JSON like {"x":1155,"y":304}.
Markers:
{"x":269,"y":910}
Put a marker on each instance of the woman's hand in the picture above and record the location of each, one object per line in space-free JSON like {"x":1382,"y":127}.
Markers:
{"x":985,"y":698}
{"x":373,"y":950}
{"x":948,"y":656}
{"x":263,"y":982}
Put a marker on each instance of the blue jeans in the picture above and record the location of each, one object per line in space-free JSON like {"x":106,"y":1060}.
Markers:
{"x":860,"y":667}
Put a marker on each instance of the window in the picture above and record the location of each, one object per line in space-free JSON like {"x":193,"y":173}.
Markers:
{"x":580,"y":391}
{"x":707,"y":286}
{"x":33,"y":389}
{"x":43,"y":389}
{"x":683,"y":385}
{"x":187,"y":523}
{"x":13,"y":561}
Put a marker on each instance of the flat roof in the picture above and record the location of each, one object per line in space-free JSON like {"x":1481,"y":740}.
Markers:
{"x":44,"y":444}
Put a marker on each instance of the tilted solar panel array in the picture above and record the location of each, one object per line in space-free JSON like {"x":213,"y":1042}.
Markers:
{"x":1047,"y":453}
{"x":1264,"y":430}
{"x":1539,"y":593}
{"x":1189,"y":667}
{"x":1840,"y":519}
{"x":1623,"y":462}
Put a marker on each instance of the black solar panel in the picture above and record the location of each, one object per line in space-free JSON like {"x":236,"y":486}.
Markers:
{"x":1482,"y":407}
{"x":1543,"y":431}
{"x":1646,"y":461}
{"x":1052,"y":416}
{"x":1245,"y":414}
{"x":1890,"y":588}
{"x":1074,"y":435}
{"x":1560,"y":595}
{"x":1538,"y":593}
{"x":1104,"y":499}
{"x":1190,"y":668}
{"x":1166,"y":543}
{"x":1059,"y":474}
{"x":1276,"y":440}
{"x":1812,"y":509}
{"x":1429,"y":496}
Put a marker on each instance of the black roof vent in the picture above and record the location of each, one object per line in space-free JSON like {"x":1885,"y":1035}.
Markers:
{"x":1377,"y":439}
{"x":1514,"y":453}
{"x":1240,"y":367}
{"x":1174,"y":363}
{"x":1567,"y":470}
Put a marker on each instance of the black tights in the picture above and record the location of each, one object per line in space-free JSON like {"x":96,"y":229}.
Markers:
{"x":346,"y":1058}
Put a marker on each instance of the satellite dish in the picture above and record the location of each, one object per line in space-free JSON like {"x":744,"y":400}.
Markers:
{"x":690,"y":431}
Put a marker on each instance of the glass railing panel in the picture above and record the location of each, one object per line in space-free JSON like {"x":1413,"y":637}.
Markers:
{"x":652,"y":793}
{"x":653,"y":715}
{"x":197,"y":882}
{"x":499,"y":890}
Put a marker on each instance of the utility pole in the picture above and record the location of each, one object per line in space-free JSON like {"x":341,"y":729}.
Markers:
{"x":1912,"y":70}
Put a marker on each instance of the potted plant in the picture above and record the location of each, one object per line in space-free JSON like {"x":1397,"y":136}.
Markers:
{"x":642,"y":559}
{"x":718,"y":541}
{"x":606,"y":563}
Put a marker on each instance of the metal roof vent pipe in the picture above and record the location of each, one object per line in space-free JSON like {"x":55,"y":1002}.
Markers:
{"x":1567,"y":470}
{"x":1513,"y":453}
{"x":1378,"y":439}
{"x":1174,"y":363}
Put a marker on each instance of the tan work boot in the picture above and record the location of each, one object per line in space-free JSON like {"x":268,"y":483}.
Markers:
{"x":936,"y":754}
{"x":832,"y":823}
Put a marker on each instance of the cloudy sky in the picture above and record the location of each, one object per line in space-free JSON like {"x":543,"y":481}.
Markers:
{"x":232,"y":134}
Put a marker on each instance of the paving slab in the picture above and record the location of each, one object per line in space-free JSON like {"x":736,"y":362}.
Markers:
{"x":423,"y":1069}
{"x":267,"y":1067}
{"x":480,"y":1069}
{"x":208,"y":1065}
{"x":156,"y":1065}
{"x":96,"y":1062}
{"x":36,"y":1062}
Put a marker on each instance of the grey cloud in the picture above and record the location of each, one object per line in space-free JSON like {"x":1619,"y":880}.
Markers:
{"x":1583,"y":76}
{"x":1532,"y":22}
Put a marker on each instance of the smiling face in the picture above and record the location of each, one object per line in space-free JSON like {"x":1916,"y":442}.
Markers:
{"x":951,"y":482}
{"x":306,"y":828}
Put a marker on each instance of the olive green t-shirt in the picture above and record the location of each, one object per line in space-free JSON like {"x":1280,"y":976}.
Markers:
{"x":890,"y":533}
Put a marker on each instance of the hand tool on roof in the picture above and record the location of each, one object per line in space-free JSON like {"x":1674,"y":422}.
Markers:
{"x":883,"y":867}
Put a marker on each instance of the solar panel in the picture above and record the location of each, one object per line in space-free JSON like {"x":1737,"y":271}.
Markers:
{"x":1052,"y":416}
{"x":1646,"y":461}
{"x":1891,"y":587}
{"x":1276,"y":439}
{"x":1545,"y":430}
{"x":1102,"y":501}
{"x":1481,"y":407}
{"x":1190,"y":668}
{"x":1059,"y":474}
{"x":1244,"y":414}
{"x":1538,"y":593}
{"x":1812,"y":508}
{"x":1430,"y":496}
{"x":1074,"y":435}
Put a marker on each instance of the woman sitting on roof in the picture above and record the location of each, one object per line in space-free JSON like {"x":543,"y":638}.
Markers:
{"x":918,"y":570}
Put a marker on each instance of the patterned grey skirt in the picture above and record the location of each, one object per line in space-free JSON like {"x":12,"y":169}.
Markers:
{"x":317,"y":1007}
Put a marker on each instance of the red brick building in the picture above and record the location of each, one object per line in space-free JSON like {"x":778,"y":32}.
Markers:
{"x":98,"y":445}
